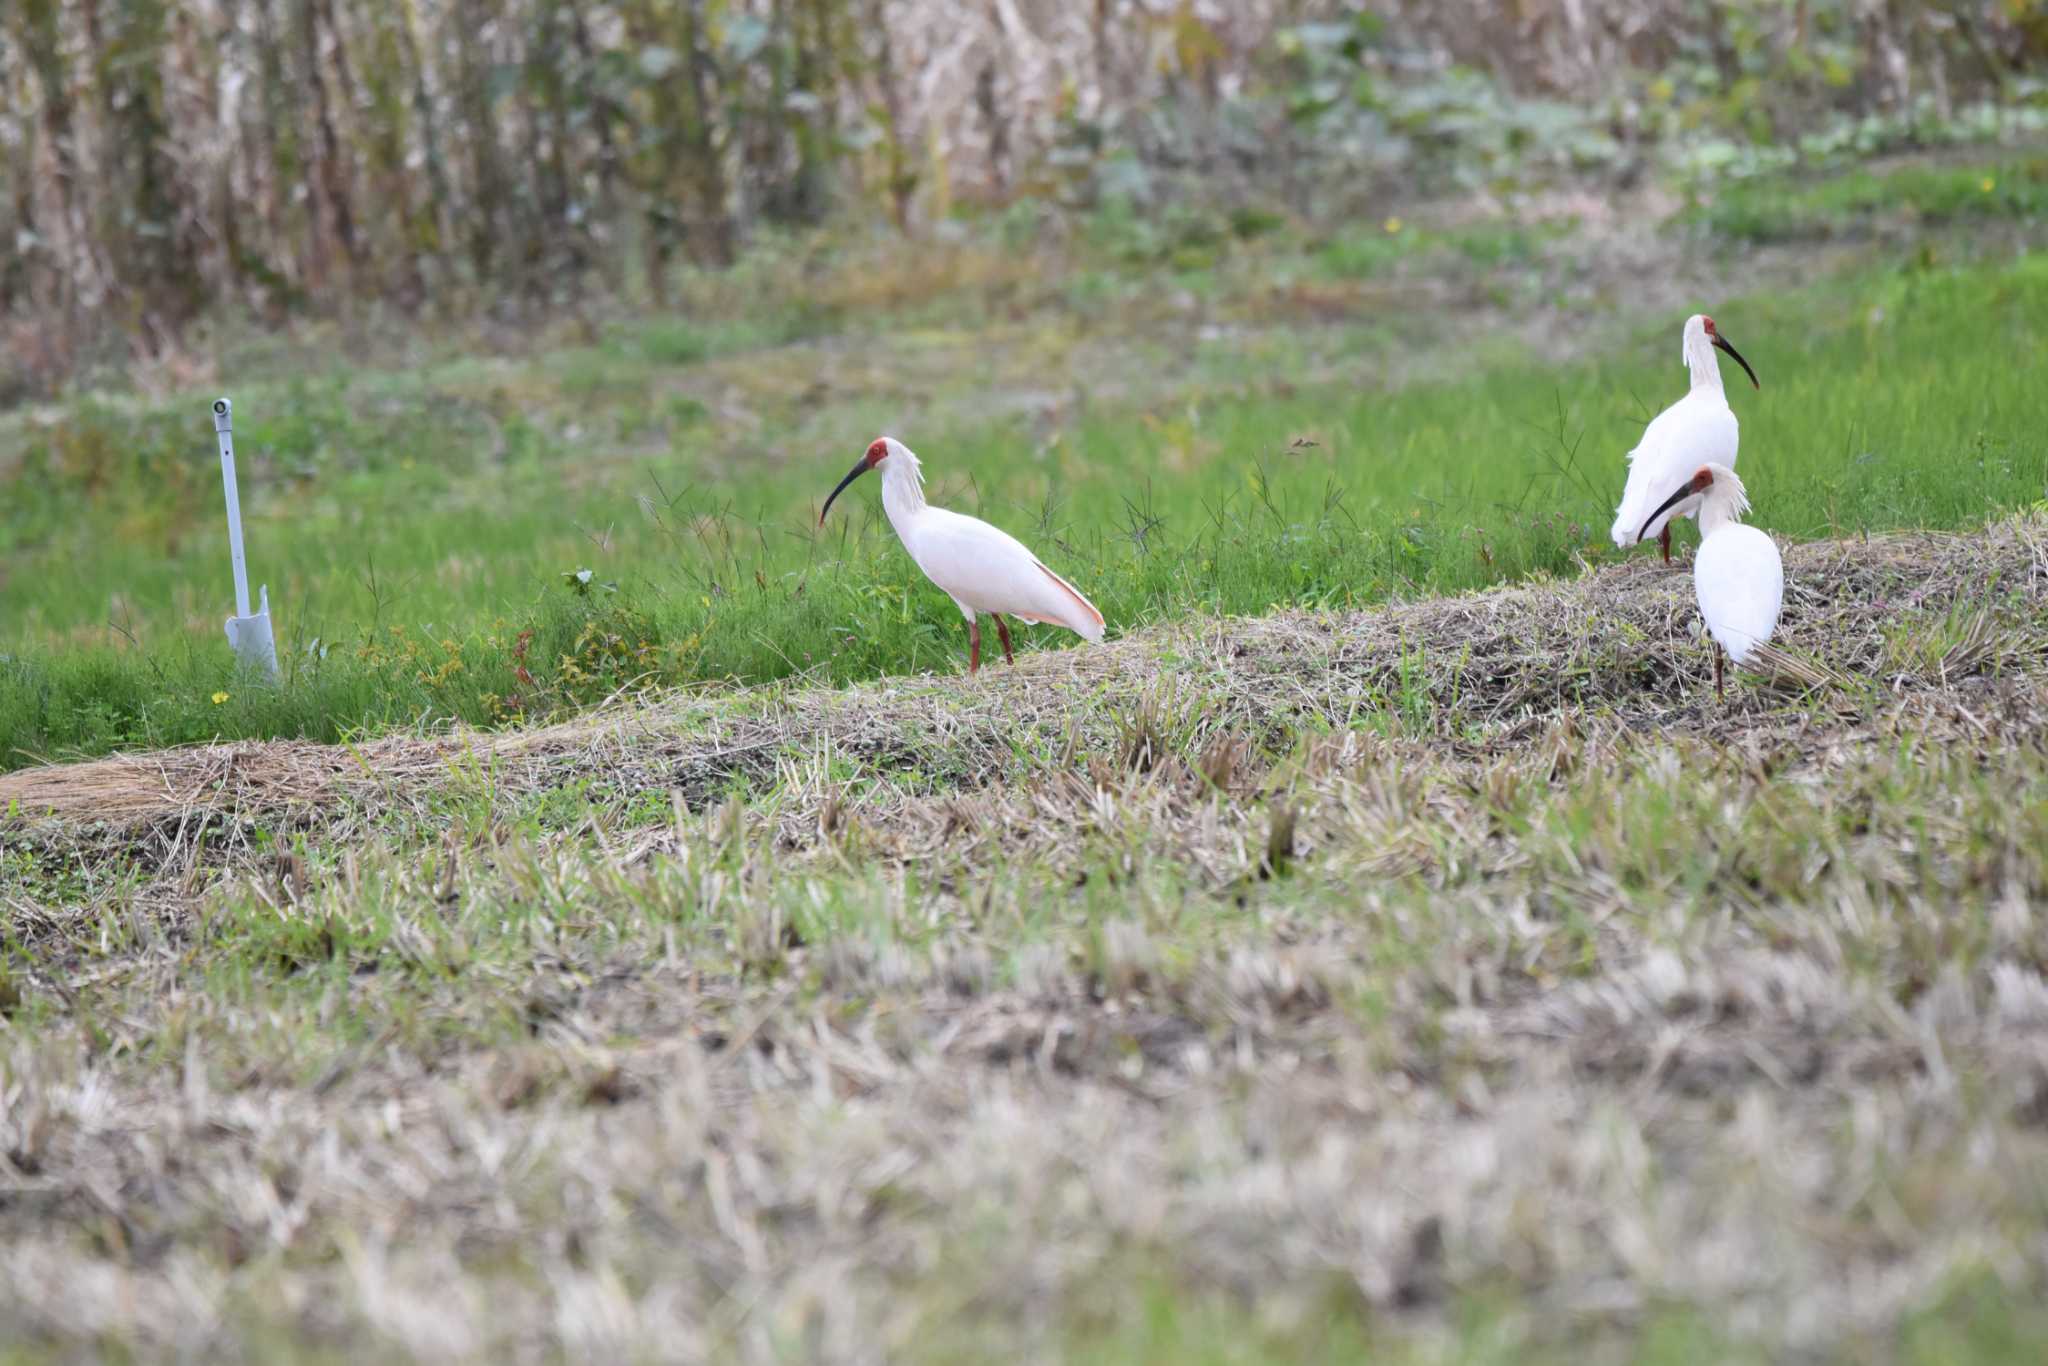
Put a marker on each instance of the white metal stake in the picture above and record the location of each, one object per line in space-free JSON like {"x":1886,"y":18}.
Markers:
{"x":224,"y":428}
{"x":248,"y":632}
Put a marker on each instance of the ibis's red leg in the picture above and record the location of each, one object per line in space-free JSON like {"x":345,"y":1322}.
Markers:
{"x":1664,"y":539}
{"x":973,"y":646}
{"x":1003,"y":630}
{"x":1718,"y":693}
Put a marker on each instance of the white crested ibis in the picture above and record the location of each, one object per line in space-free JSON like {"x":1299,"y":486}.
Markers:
{"x":1737,"y":574}
{"x":1697,"y":430}
{"x":981,"y":568}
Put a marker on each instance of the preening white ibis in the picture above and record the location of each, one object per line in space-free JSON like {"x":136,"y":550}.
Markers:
{"x":1697,"y":430}
{"x":1737,"y":574}
{"x":981,"y":568}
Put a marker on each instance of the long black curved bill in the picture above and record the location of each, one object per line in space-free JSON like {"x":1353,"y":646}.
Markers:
{"x":857,"y":472}
{"x":1722,"y":342}
{"x":1669,"y":503}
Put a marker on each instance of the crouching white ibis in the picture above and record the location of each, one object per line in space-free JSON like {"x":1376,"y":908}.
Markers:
{"x":981,"y":568}
{"x":1737,"y":575}
{"x":1697,"y":430}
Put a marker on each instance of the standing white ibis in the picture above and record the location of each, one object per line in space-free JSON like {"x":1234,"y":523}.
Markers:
{"x":1737,"y":575}
{"x":981,"y":568}
{"x":1699,"y":429}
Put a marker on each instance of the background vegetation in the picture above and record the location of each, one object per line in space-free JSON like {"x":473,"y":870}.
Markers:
{"x":168,"y":162}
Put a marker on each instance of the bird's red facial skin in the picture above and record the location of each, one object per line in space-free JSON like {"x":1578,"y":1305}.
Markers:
{"x":875,"y":453}
{"x":1703,"y":481}
{"x":1708,"y":323}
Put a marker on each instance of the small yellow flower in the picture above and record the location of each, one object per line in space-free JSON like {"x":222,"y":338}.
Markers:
{"x":1392,"y":225}
{"x":1989,"y":184}
{"x":219,"y":698}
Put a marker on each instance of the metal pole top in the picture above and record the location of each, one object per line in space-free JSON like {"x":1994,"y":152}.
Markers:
{"x":223,"y":415}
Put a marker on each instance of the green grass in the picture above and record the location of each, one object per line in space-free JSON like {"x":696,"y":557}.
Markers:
{"x":421,"y":529}
{"x":1365,"y":250}
{"x":1978,"y":1324}
{"x":1777,"y":210}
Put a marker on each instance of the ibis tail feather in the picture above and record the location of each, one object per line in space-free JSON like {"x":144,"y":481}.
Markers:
{"x":1083,"y":620}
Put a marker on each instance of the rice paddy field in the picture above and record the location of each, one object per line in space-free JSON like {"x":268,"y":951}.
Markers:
{"x":1386,"y":946}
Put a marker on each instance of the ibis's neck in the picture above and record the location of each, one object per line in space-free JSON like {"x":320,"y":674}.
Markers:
{"x":1705,"y":367}
{"x":1718,"y":510}
{"x":902,"y":490}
